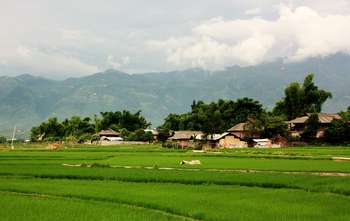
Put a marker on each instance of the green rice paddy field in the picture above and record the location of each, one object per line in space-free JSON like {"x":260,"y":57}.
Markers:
{"x":85,"y":182}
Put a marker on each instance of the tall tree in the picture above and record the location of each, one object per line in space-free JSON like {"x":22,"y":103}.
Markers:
{"x":214,"y":117}
{"x":345,"y":114}
{"x":80,"y":129}
{"x":125,"y":119}
{"x":75,"y":126}
{"x":52,"y":130}
{"x":301,"y":99}
{"x":172,"y":122}
{"x":274,"y":126}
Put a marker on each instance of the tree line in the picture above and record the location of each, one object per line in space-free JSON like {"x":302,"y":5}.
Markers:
{"x":77,"y":129}
{"x":211,"y":118}
{"x":299,"y":99}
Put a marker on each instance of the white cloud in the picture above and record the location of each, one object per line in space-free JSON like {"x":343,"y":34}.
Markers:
{"x":23,"y":51}
{"x":126,"y":60}
{"x":74,"y":38}
{"x":33,"y":60}
{"x":3,"y":62}
{"x":80,"y":37}
{"x":117,"y":63}
{"x":324,"y":6}
{"x":296,"y":34}
{"x":253,"y":11}
{"x":67,"y":34}
{"x":209,"y":53}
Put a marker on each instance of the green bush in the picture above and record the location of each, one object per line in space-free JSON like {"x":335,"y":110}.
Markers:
{"x":71,"y":139}
{"x":51,"y":139}
{"x":124,"y":133}
{"x":3,"y":140}
{"x":338,"y":132}
{"x":85,"y":137}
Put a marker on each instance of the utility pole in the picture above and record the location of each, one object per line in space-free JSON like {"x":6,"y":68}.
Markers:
{"x":13,"y":138}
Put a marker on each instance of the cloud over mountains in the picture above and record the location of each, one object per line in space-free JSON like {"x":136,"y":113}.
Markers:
{"x":295,"y":34}
{"x":60,"y":39}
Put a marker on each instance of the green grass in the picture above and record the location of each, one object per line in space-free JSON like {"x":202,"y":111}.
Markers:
{"x":209,"y":202}
{"x":220,"y":162}
{"x":296,"y":151}
{"x":211,"y":191}
{"x":258,"y":160}
{"x":18,"y":207}
{"x":308,"y":183}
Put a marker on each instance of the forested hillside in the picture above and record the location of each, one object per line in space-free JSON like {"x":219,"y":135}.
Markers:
{"x":27,"y":100}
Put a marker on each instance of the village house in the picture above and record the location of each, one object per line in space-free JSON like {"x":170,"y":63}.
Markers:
{"x":297,"y":125}
{"x":239,"y":130}
{"x":109,"y":135}
{"x":227,"y":140}
{"x":186,"y":138}
{"x":232,"y":138}
{"x":242,"y":131}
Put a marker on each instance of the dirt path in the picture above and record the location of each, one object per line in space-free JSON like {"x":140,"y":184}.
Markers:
{"x":331,"y":174}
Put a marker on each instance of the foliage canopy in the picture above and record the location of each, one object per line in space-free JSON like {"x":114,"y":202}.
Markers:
{"x":301,"y":99}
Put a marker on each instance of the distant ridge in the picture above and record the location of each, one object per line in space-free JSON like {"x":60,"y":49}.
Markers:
{"x":27,"y":100}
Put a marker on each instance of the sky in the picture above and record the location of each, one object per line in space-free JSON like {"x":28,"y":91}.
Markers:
{"x":72,"y":38}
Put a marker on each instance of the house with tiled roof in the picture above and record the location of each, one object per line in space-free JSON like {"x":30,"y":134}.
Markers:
{"x":297,"y":125}
{"x":186,"y":138}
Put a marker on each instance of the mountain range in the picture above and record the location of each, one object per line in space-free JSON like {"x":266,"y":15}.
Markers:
{"x":27,"y":100}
